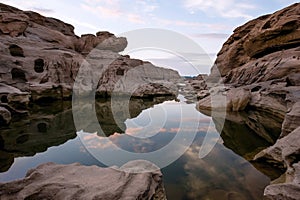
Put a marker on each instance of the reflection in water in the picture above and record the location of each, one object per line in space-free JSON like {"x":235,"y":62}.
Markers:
{"x":246,"y":133}
{"x":115,"y":122}
{"x":43,"y":128}
{"x":52,"y":125}
{"x":168,"y":129}
{"x":249,"y":132}
{"x":221,"y":175}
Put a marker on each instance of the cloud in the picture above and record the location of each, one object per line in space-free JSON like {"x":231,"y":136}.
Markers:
{"x":134,"y":18}
{"x":211,"y":35}
{"x":115,"y":9}
{"x":221,"y":173}
{"x":113,"y":13}
{"x":43,"y":10}
{"x":191,"y":24}
{"x":186,"y":63}
{"x":225,"y":9}
{"x":102,"y":11}
{"x":147,"y":6}
{"x":133,"y":131}
{"x":21,"y":4}
{"x":82,"y":24}
{"x":178,"y":22}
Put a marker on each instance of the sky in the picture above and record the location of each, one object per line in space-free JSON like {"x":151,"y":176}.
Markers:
{"x":207,"y":22}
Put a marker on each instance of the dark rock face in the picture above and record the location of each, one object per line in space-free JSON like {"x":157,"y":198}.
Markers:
{"x":40,"y":58}
{"x":53,"y":181}
{"x":262,"y":57}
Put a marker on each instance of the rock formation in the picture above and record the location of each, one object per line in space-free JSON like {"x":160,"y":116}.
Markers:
{"x":194,"y":88}
{"x":258,"y":69}
{"x":41,"y":58}
{"x":53,"y":181}
{"x":285,"y":152}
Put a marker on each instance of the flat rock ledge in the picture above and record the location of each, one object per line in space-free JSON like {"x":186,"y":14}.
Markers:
{"x":75,"y":181}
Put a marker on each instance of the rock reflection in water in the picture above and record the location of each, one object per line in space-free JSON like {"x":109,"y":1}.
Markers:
{"x":44,"y":127}
{"x":113,"y":121}
{"x":247,"y":133}
{"x":53,"y":125}
{"x":221,"y":175}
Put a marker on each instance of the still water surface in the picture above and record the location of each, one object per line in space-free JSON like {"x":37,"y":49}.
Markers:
{"x":48,"y":135}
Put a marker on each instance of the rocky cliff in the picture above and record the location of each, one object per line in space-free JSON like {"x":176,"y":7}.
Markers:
{"x":258,"y":69}
{"x":40,"y":58}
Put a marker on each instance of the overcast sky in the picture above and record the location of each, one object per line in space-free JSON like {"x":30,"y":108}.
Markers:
{"x":208,"y":22}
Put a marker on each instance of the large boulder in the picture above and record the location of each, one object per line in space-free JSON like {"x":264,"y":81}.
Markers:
{"x":102,"y":40}
{"x":53,"y":181}
{"x":289,"y":190}
{"x":137,"y":78}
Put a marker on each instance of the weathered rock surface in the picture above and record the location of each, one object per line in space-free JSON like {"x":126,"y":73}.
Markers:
{"x":292,"y":120}
{"x":41,"y":58}
{"x":5,"y":116}
{"x":285,"y":151}
{"x":251,"y":53}
{"x":193,"y":88}
{"x":262,"y":57}
{"x":235,"y":99}
{"x":53,"y":181}
{"x":137,"y":78}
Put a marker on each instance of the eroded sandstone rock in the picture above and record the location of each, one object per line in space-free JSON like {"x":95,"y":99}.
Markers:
{"x":42,"y":57}
{"x":5,"y":116}
{"x":286,"y":150}
{"x":263,"y":57}
{"x":292,"y":120}
{"x":243,"y":52}
{"x":235,"y":99}
{"x":53,"y":181}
